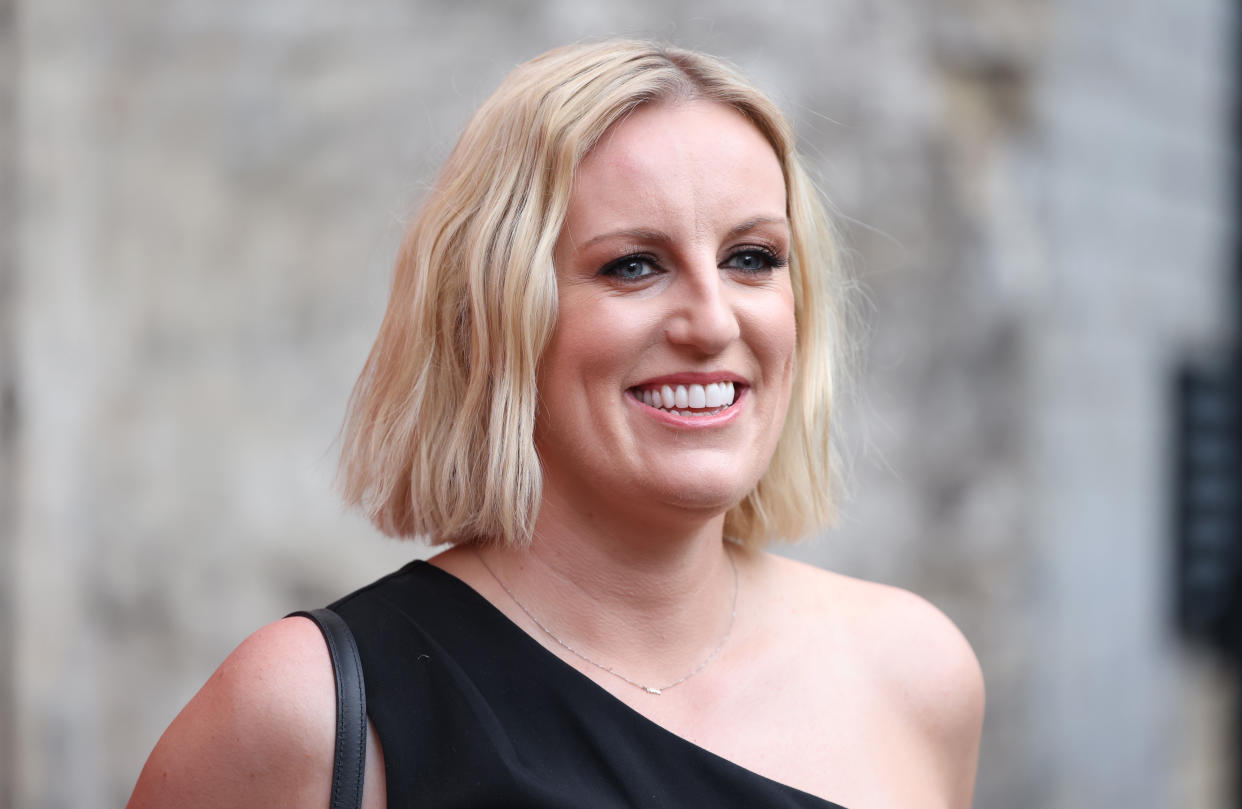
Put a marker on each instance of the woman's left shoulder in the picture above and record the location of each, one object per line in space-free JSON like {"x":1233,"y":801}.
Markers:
{"x":896,"y":629}
{"x":900,"y":641}
{"x":905,"y":639}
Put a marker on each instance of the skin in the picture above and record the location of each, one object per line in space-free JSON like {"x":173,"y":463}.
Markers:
{"x":670,"y":263}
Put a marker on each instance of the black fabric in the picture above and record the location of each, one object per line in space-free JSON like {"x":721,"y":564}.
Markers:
{"x":473,"y":712}
{"x":349,"y":761}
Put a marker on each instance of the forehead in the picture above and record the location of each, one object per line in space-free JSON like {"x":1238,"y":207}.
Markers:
{"x":691,"y":156}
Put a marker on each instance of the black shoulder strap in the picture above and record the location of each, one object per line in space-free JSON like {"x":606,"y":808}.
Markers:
{"x":349,"y":762}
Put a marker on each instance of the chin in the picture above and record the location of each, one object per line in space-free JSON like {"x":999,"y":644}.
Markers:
{"x":705,"y":495}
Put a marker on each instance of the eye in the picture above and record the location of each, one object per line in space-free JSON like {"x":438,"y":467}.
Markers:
{"x":754,"y":260}
{"x":630,"y":268}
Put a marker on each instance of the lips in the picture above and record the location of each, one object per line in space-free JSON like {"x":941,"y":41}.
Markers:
{"x":693,"y":399}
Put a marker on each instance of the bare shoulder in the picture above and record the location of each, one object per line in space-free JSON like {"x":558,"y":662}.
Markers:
{"x":902,"y":637}
{"x":924,"y":659}
{"x":259,"y":733}
{"x":915,"y":660}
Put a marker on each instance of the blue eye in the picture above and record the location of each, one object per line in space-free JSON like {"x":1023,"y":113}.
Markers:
{"x":630,"y":268}
{"x":754,"y":260}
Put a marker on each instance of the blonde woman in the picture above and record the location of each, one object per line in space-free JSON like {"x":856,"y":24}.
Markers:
{"x":604,"y":382}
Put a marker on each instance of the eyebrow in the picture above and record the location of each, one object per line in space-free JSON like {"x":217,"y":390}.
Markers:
{"x":751,"y":224}
{"x":645,"y":235}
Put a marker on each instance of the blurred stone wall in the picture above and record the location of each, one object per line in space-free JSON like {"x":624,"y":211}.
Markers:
{"x":208,"y":198}
{"x":8,"y":390}
{"x":1136,"y":175}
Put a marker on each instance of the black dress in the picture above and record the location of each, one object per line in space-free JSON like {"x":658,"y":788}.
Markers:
{"x":473,"y":712}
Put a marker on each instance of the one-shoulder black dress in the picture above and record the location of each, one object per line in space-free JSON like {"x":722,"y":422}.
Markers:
{"x":473,"y":712}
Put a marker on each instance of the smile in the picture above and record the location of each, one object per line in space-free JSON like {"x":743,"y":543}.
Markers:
{"x":688,"y":400}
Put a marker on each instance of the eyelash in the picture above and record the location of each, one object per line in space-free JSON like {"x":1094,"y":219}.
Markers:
{"x":613,"y":268}
{"x":771,"y":261}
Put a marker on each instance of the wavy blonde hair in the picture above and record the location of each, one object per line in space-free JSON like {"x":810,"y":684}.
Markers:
{"x":438,"y":441}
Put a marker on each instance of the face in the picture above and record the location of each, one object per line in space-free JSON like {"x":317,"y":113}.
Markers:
{"x":668,"y":375}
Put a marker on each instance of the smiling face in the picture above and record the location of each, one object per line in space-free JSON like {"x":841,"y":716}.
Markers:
{"x":672,"y":283}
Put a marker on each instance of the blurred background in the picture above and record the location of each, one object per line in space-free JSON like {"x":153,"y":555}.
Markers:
{"x":200,"y":203}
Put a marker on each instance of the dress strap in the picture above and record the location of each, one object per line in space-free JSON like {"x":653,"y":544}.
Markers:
{"x":349,"y":761}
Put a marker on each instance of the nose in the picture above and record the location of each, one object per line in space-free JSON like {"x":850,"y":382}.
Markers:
{"x":702,"y":316}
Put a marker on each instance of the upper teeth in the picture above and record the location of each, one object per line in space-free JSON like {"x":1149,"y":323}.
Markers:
{"x":688,"y":397}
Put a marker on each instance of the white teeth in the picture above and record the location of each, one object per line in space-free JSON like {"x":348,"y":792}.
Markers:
{"x":690,"y":400}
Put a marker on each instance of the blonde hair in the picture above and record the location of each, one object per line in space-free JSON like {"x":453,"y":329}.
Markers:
{"x":438,"y":441}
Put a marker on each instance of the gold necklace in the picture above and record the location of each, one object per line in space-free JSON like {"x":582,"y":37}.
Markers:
{"x":650,"y":689}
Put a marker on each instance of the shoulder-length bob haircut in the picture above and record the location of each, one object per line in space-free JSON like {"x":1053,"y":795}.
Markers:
{"x":438,"y":441}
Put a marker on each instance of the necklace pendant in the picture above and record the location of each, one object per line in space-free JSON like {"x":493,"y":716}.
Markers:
{"x":651,"y":690}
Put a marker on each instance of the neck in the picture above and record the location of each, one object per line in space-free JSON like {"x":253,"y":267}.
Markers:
{"x":649,"y":601}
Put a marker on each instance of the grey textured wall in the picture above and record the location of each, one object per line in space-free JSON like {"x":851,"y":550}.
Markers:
{"x":8,"y":388}
{"x":1132,"y":197}
{"x":208,"y":197}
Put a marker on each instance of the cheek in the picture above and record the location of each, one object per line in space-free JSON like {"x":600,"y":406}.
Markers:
{"x":778,"y":357}
{"x":578,"y":344}
{"x":596,"y":335}
{"x":779,"y":336}
{"x":585,"y":353}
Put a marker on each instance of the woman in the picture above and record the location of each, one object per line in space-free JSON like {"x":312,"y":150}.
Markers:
{"x":603,"y":379}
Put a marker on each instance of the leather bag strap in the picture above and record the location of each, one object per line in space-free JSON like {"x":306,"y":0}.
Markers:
{"x":349,"y":762}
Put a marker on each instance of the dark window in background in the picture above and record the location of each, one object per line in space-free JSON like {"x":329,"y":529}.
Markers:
{"x":1208,"y":468}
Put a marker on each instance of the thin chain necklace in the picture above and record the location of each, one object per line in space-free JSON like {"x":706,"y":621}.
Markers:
{"x":650,"y":689}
